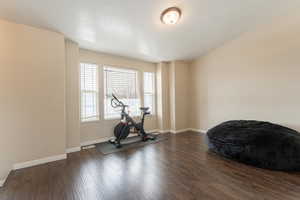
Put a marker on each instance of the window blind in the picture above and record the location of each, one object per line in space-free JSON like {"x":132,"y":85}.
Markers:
{"x":89,"y":92}
{"x":149,"y":91}
{"x":124,"y":84}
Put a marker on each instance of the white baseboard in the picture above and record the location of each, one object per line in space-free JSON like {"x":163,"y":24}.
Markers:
{"x":152,"y":131}
{"x":2,"y":182}
{"x":73,"y":149}
{"x":164,"y":131}
{"x":198,"y":130}
{"x":188,"y":129}
{"x":88,"y":147}
{"x":179,"y":131}
{"x":39,"y":161}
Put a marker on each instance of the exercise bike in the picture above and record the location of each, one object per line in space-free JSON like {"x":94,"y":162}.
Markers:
{"x":127,"y":123}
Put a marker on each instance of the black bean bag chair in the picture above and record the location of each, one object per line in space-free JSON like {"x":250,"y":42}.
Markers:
{"x":261,"y":144}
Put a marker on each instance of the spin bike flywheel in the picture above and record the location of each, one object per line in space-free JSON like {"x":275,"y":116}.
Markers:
{"x":121,"y":131}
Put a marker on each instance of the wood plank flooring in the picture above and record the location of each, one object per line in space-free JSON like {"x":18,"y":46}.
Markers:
{"x":175,"y":169}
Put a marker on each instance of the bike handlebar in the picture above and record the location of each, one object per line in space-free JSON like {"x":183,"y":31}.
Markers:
{"x":114,"y":97}
{"x":118,"y":103}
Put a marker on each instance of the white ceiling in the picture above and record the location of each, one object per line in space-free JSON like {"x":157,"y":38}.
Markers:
{"x":132,"y":28}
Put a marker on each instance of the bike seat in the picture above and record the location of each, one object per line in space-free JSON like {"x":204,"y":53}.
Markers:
{"x":144,"y":109}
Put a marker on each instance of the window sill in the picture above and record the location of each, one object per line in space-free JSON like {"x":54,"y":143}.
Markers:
{"x":90,"y":121}
{"x":118,"y":118}
{"x":134,"y":117}
{"x":112,"y":118}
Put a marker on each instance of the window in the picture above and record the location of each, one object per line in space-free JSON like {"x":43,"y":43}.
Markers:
{"x":124,"y":84}
{"x":89,"y":92}
{"x":149,"y":91}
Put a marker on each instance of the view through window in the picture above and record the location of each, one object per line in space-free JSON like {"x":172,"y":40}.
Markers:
{"x":124,"y":84}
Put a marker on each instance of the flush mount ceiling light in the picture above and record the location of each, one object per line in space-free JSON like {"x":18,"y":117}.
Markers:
{"x":170,"y":15}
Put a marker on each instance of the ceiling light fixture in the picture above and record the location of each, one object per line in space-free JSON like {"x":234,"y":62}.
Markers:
{"x":170,"y":16}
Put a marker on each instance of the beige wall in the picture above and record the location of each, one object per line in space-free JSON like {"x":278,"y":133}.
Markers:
{"x":179,"y":94}
{"x":72,"y":95}
{"x":32,"y":103}
{"x":163,"y":96}
{"x":254,"y":77}
{"x":172,"y":99}
{"x":104,"y":128}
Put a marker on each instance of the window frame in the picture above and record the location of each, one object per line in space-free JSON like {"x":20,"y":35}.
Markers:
{"x":154,"y":111}
{"x":97,"y":117}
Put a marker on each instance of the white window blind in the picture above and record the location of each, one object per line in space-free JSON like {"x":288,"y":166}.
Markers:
{"x":89,"y":92}
{"x":149,"y":91}
{"x":124,"y":84}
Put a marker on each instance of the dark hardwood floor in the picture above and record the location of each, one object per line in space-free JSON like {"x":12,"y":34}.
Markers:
{"x":177,"y":168}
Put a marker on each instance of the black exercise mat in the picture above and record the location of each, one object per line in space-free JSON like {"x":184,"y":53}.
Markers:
{"x":128,"y":143}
